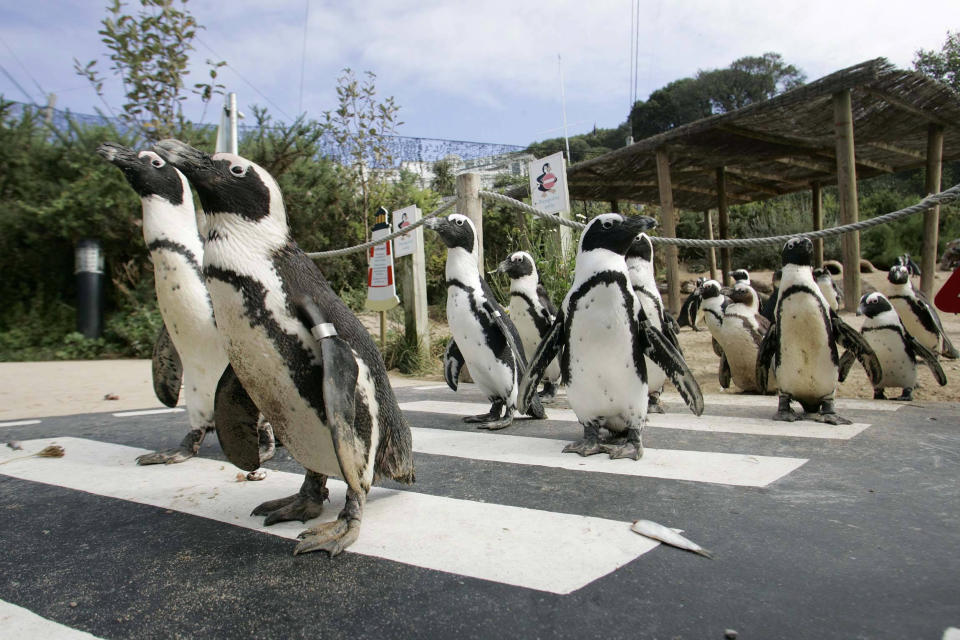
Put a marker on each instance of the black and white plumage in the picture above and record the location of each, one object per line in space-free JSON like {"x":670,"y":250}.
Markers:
{"x":896,"y":349}
{"x":740,"y":335}
{"x":531,"y":311}
{"x":296,"y":351}
{"x":801,"y":346}
{"x":690,"y":315}
{"x":189,"y":349}
{"x":602,"y":337}
{"x":905,"y":260}
{"x":919,"y":317}
{"x":484,"y":337}
{"x":769,"y":306}
{"x":712,"y":305}
{"x":832,"y":292}
{"x":639,"y":258}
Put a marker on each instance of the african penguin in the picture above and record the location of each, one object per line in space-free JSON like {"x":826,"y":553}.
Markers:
{"x":830,"y":289}
{"x":639,"y":260}
{"x":189,"y":348}
{"x":742,"y":277}
{"x":896,"y":349}
{"x":602,"y":337}
{"x":801,"y":346}
{"x":296,"y":351}
{"x":690,"y":314}
{"x":484,"y":337}
{"x":531,"y":311}
{"x":740,"y":336}
{"x":919,"y":317}
{"x":769,"y":306}
{"x":712,"y":304}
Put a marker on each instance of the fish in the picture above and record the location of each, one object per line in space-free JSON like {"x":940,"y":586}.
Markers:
{"x":667,"y":535}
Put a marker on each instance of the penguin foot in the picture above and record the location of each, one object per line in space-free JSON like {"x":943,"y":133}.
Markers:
{"x":268,"y":444}
{"x":491,"y":416}
{"x":187,"y":449}
{"x":788,"y":415}
{"x":654,"y":405}
{"x":906,"y":395}
{"x":585,"y":447}
{"x":303,"y":505}
{"x":549,"y":393}
{"x":830,"y":418}
{"x":332,"y":537}
{"x":496,"y":425}
{"x":628,"y":449}
{"x":878,"y":394}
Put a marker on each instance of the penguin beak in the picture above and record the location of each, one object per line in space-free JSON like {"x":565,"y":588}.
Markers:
{"x":117,"y":154}
{"x":639,"y":224}
{"x":726,"y":291}
{"x":503,"y":266}
{"x":195,"y":164}
{"x":433,"y":224}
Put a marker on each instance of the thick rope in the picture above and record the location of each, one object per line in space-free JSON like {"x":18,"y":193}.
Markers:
{"x":944,"y":197}
{"x":366,"y":245}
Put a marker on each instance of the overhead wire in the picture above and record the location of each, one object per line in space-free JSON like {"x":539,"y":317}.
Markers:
{"x":303,"y":53}
{"x":24,"y":67}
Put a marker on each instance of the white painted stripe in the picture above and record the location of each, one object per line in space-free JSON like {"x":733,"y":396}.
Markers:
{"x":19,"y":423}
{"x":685,"y":421}
{"x":554,"y":552}
{"x":747,"y":400}
{"x":952,"y":633}
{"x":431,"y":387}
{"x":24,"y":624}
{"x":146,"y":412}
{"x":697,"y":466}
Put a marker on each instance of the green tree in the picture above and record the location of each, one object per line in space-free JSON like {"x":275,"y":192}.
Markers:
{"x":943,"y":65}
{"x":444,"y":180}
{"x":150,"y":52}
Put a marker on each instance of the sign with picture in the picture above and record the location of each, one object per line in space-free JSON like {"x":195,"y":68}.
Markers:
{"x":406,"y":244}
{"x":548,"y":184}
{"x":381,"y":283}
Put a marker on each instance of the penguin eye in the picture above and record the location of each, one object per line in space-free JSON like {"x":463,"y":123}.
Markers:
{"x":459,"y":222}
{"x":157,"y":162}
{"x":237,"y":170}
{"x":607,"y":224}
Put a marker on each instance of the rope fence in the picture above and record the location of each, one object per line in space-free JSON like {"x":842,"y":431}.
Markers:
{"x":947,"y":196}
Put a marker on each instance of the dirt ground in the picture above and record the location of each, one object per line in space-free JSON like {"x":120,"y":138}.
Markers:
{"x":703,"y":362}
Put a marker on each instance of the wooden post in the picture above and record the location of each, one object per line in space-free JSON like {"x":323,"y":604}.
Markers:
{"x":615,"y":206}
{"x":817,"y":198}
{"x":931,"y":217}
{"x":469,"y":204}
{"x":669,"y":231}
{"x":412,"y":278}
{"x":723,"y":222}
{"x":847,"y":196}
{"x":711,"y":252}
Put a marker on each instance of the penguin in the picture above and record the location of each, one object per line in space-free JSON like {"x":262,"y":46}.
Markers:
{"x":189,"y":348}
{"x":742,"y":277}
{"x":639,"y":259}
{"x":905,"y":260}
{"x":740,"y":336}
{"x":689,"y":314}
{"x":483,"y":336}
{"x":801,"y":346}
{"x":919,"y":317}
{"x":602,"y":337}
{"x":770,"y":305}
{"x":896,"y":349}
{"x":531,"y":311}
{"x":712,"y":306}
{"x":296,"y":351}
{"x":829,"y":288}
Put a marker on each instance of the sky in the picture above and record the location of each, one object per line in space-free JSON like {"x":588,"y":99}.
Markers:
{"x":477,"y":71}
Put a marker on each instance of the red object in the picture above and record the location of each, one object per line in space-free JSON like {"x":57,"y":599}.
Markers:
{"x":948,"y":298}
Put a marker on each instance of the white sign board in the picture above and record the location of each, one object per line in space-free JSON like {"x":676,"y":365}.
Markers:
{"x":548,"y":184}
{"x":381,"y":283}
{"x":406,"y":244}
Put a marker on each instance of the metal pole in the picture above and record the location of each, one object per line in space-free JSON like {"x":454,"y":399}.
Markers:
{"x":89,"y":274}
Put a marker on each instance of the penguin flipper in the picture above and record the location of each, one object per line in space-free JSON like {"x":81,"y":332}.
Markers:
{"x":547,"y":350}
{"x":717,"y":349}
{"x":658,"y":348}
{"x":669,"y":330}
{"x":235,"y":416}
{"x":929,"y":358}
{"x":947,"y":349}
{"x":849,"y":339}
{"x":765,"y":354}
{"x":506,"y":326}
{"x":725,"y":375}
{"x":846,"y":362}
{"x":452,"y":364}
{"x":167,"y":369}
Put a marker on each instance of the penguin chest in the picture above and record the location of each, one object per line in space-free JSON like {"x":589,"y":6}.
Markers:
{"x":482,"y":344}
{"x":899,"y":369}
{"x":275,"y":368}
{"x":806,"y":369}
{"x":740,"y":351}
{"x":604,"y":381}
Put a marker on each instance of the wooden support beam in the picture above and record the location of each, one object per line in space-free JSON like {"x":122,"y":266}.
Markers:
{"x":931,"y":217}
{"x":724,"y":224}
{"x":799,"y":144}
{"x":669,"y":231}
{"x":470,"y":205}
{"x":753,"y":186}
{"x":892,"y":148}
{"x":817,"y":198}
{"x":903,"y":105}
{"x":847,"y":196}
{"x":808,"y":163}
{"x":711,"y":252}
{"x":760,"y":175}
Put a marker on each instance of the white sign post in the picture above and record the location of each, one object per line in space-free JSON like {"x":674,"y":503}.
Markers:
{"x":548,"y":191}
{"x":406,"y":244}
{"x":412,"y":275}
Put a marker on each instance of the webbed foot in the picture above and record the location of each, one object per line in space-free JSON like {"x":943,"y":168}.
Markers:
{"x":878,"y":394}
{"x":490,"y":416}
{"x":589,"y":445}
{"x":784,"y":412}
{"x":628,"y":446}
{"x":906,"y":395}
{"x":549,"y":393}
{"x":828,"y":415}
{"x":502,"y":423}
{"x":187,"y":448}
{"x":303,"y":505}
{"x":332,"y":537}
{"x":654,"y":405}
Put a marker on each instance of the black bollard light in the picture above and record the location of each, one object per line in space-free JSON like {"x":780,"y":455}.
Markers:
{"x":88,"y":269}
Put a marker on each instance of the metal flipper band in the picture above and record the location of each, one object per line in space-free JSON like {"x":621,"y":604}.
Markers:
{"x":323,"y":330}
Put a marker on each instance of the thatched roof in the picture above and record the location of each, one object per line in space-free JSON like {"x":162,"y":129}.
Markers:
{"x":784,"y":144}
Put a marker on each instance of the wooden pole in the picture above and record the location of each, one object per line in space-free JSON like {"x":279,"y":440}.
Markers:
{"x":469,"y":204}
{"x":931,"y":217}
{"x":847,"y":196}
{"x":711,"y":252}
{"x":669,"y":231}
{"x":817,"y":198}
{"x":412,"y":278}
{"x":723,"y":222}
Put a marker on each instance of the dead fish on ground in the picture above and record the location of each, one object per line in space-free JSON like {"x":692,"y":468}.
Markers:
{"x":668,"y":536}
{"x":13,"y":444}
{"x":53,"y":451}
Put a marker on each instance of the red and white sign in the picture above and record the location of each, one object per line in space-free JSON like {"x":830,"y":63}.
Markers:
{"x":381,"y":286}
{"x":548,"y":184}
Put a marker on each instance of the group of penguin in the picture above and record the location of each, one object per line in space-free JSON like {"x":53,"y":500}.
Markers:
{"x":267,"y":353}
{"x":788,"y":342}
